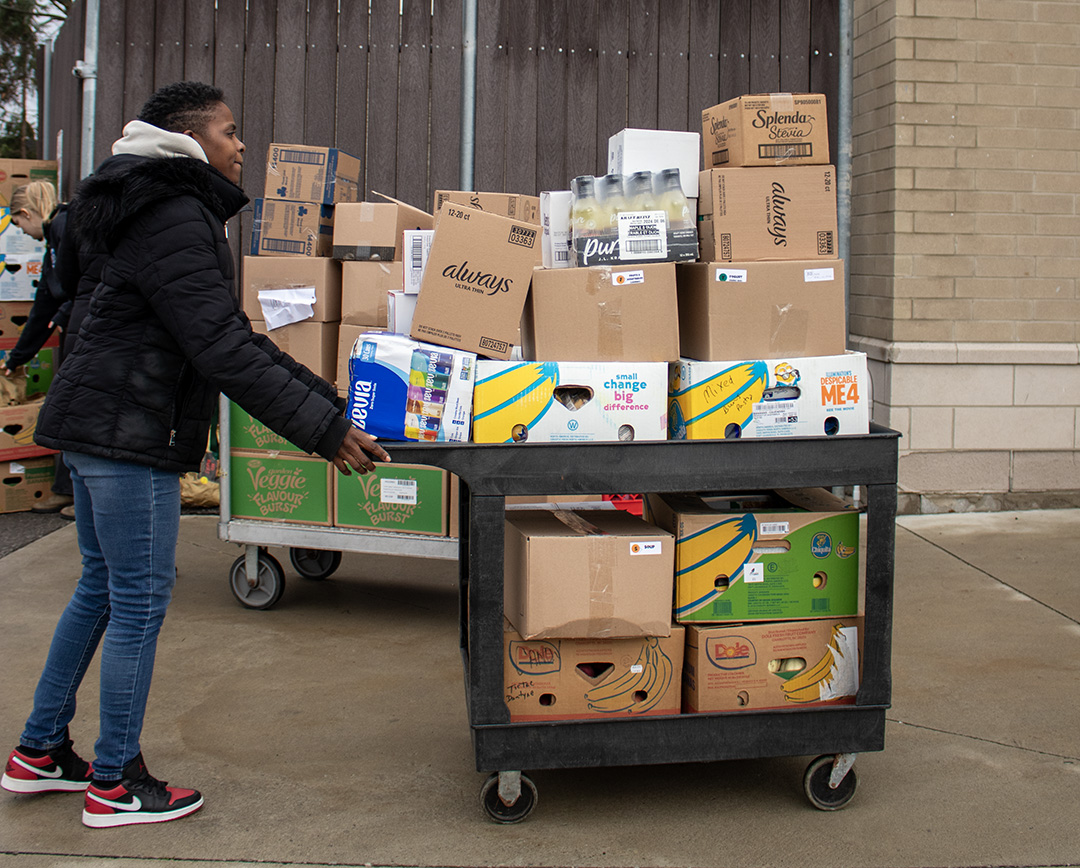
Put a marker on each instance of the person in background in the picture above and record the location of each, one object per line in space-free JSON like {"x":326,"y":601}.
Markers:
{"x":35,"y":211}
{"x":131,"y":409}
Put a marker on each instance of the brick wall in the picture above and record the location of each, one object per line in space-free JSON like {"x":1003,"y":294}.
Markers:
{"x":964,"y":254}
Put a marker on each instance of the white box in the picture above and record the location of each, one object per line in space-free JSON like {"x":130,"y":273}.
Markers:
{"x":632,"y":150}
{"x":555,"y":219}
{"x":792,"y":397}
{"x":553,"y":402}
{"x":415,"y":247}
{"x":400,"y":307}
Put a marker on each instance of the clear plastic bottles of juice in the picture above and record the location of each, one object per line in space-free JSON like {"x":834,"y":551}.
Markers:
{"x":673,"y":201}
{"x":585,"y":215}
{"x":639,"y":192}
{"x":612,"y":201}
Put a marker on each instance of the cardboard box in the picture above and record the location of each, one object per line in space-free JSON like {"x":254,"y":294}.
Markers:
{"x":19,"y":276}
{"x":512,"y":205}
{"x":364,"y":286}
{"x":402,"y":498}
{"x":575,"y":679}
{"x":16,"y":173}
{"x":17,"y":424}
{"x":567,"y":402}
{"x":35,"y":377}
{"x":248,"y":435}
{"x":13,"y":317}
{"x":603,"y":313}
{"x":766,"y":129}
{"x":586,"y":573}
{"x":291,"y":228}
{"x":290,"y":488}
{"x":373,"y":230}
{"x":786,"y":212}
{"x":347,"y":335}
{"x":793,"y":397}
{"x":475,"y":282}
{"x":416,"y":246}
{"x":312,"y":344}
{"x":555,"y":221}
{"x":312,"y":174}
{"x":633,"y":150}
{"x":755,"y":667}
{"x":268,"y":274}
{"x":401,"y":307}
{"x":768,"y":564}
{"x":761,"y":309}
{"x":403,"y":389}
{"x":25,"y":482}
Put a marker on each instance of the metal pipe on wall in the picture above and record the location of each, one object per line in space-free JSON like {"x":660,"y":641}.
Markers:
{"x":86,"y":69}
{"x":468,"y":94}
{"x":843,"y":158}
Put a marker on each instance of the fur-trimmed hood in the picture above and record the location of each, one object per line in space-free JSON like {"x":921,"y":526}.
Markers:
{"x":125,"y":184}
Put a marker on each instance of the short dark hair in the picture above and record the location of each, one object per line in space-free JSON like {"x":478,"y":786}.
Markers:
{"x":184,"y":105}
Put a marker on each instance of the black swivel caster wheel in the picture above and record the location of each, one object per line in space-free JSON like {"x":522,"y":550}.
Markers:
{"x":265,"y":589}
{"x":816,"y":785}
{"x":498,"y":811}
{"x":314,"y":563}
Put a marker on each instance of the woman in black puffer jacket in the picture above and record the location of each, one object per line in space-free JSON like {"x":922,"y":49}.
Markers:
{"x":131,"y":409}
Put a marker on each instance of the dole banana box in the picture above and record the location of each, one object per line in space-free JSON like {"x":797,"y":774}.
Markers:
{"x":778,"y":212}
{"x":766,"y":129}
{"x":586,"y":573}
{"x":764,"y":565}
{"x":755,"y":667}
{"x":248,"y":434}
{"x":266,"y":276}
{"x":403,"y":389}
{"x":25,"y":482}
{"x":313,"y":174}
{"x":790,"y":397}
{"x":402,"y":498}
{"x":289,"y":228}
{"x":20,"y":260}
{"x":577,"y":679}
{"x":17,"y":425}
{"x":553,"y":402}
{"x":475,"y":281}
{"x":291,"y":489}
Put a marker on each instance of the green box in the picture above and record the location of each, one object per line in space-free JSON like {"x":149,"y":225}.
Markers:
{"x":769,"y":564}
{"x":268,"y":488}
{"x":248,"y":434}
{"x":403,"y":498}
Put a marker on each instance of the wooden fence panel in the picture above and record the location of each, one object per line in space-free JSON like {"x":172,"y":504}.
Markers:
{"x":228,"y":44}
{"x":673,"y":71}
{"x":168,"y":42}
{"x":491,"y":87}
{"x":612,"y":87}
{"x":383,"y":59}
{"x":764,"y":47}
{"x":320,"y":72}
{"x":258,"y":108}
{"x":414,"y":93}
{"x":553,"y":100}
{"x":445,"y":165}
{"x":521,"y":67}
{"x":734,"y":48}
{"x":199,"y":42}
{"x":110,"y":114}
{"x":583,"y":94}
{"x":703,"y":86}
{"x":795,"y":45}
{"x":290,"y":92}
{"x":351,"y":91}
{"x":642,"y":64}
{"x":138,"y":58}
{"x":825,"y":61}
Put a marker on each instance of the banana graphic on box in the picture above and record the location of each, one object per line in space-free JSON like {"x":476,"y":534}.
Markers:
{"x":513,"y":398}
{"x":722,"y":549}
{"x":640,"y":688}
{"x":835,"y":675}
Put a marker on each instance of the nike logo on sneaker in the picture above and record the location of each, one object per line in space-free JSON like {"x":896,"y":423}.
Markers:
{"x":55,"y":773}
{"x":134,"y":805}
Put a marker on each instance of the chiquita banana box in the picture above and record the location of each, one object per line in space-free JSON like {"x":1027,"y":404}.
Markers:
{"x":573,"y":679}
{"x":569,"y":401}
{"x":403,"y":389}
{"x":786,"y":664}
{"x":764,"y":565}
{"x":803,"y":397}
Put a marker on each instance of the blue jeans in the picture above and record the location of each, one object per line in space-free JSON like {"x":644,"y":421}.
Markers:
{"x":127,"y":517}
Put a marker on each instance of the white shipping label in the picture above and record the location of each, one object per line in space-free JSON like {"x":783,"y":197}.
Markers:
{"x":654,"y":547}
{"x":775,"y":413}
{"x":731,"y":275}
{"x":622,"y":278}
{"x":637,"y":668}
{"x":280,"y":307}
{"x":642,"y":235}
{"x":17,"y":468}
{"x":816,"y":275}
{"x":772,"y":528}
{"x":397,"y":491}
{"x":754,"y":573}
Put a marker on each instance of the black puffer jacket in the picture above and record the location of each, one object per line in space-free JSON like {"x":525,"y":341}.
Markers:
{"x":164,"y":333}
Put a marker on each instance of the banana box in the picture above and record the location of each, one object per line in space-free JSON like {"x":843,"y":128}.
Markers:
{"x":403,"y":389}
{"x":575,"y":679}
{"x":760,"y":565}
{"x":755,"y":667}
{"x":24,"y":483}
{"x":17,"y":426}
{"x":555,"y":402}
{"x":813,"y":396}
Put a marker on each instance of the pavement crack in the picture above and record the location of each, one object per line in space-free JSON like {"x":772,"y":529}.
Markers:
{"x":988,"y":574}
{"x":979,"y":738}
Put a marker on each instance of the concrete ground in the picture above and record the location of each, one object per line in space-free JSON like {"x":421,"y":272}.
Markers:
{"x":331,"y":729}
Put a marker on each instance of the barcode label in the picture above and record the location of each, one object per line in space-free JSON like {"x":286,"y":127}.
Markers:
{"x":311,"y":158}
{"x":643,"y":235}
{"x":775,"y":413}
{"x":794,"y":149}
{"x":397,"y":490}
{"x":772,"y":528}
{"x":282,"y":245}
{"x":562,"y":255}
{"x":417,"y":252}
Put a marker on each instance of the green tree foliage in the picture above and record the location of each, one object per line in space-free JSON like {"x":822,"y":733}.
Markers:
{"x":23,"y":25}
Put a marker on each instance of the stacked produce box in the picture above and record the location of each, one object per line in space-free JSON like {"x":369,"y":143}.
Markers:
{"x":26,"y":469}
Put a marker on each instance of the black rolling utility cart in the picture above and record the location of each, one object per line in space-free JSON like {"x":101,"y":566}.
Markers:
{"x":836,"y":733}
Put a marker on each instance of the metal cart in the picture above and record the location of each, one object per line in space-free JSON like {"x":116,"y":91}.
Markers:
{"x":257,"y":578}
{"x":489,"y":473}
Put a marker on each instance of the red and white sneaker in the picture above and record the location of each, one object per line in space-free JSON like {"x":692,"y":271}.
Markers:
{"x":61,"y":770}
{"x":138,"y":798}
